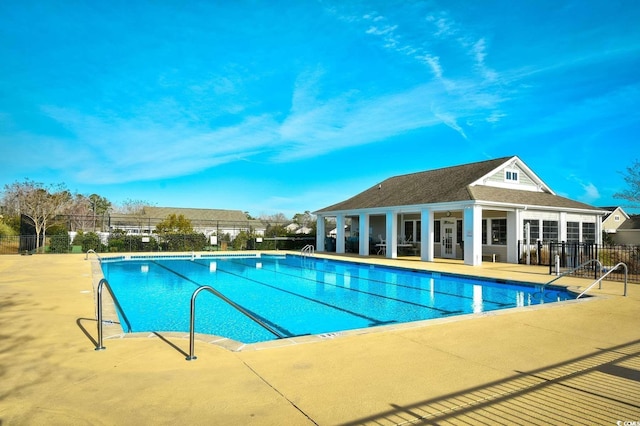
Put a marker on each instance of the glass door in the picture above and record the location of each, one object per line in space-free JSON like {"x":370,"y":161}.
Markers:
{"x":448,"y":239}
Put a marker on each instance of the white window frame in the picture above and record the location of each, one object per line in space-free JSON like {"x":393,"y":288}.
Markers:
{"x":509,"y":175}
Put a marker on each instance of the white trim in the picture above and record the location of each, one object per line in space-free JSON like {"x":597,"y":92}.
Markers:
{"x":511,"y":163}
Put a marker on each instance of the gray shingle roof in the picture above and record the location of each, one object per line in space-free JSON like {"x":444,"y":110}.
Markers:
{"x":196,"y":214}
{"x":153,"y":215}
{"x":529,"y":198}
{"x":632,"y":223}
{"x":432,"y":186}
{"x":449,"y":184}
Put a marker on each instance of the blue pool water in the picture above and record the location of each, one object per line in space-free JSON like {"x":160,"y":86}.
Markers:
{"x":297,"y":296}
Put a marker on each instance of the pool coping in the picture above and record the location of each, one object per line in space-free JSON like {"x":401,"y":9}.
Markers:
{"x":112,"y":329}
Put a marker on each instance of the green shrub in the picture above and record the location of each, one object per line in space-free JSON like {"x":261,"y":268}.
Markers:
{"x":91,"y":241}
{"x":60,"y":243}
{"x":79,"y":238}
{"x":6,"y":230}
{"x":183,"y":242}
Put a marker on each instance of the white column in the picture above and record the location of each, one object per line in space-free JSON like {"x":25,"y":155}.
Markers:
{"x":426,"y":235}
{"x":513,"y":218}
{"x":340,"y":234}
{"x":562,"y":227}
{"x":320,"y":233}
{"x":364,"y":234}
{"x":392,"y":235}
{"x":472,"y":229}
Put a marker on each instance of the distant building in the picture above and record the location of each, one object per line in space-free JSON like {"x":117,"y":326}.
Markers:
{"x":613,"y":218}
{"x":206,"y":221}
{"x":629,"y":232}
{"x":294,"y":228}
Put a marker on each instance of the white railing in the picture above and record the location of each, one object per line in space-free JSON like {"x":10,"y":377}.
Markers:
{"x":599,"y":280}
{"x":307,"y":250}
{"x":94,"y":252}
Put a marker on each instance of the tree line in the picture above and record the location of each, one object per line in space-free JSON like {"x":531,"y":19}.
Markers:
{"x":41,"y":206}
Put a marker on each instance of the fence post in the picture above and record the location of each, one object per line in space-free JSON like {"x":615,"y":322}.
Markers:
{"x":539,"y":254}
{"x":595,"y":269}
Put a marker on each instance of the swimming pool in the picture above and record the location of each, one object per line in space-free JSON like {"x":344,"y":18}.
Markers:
{"x":297,"y":296}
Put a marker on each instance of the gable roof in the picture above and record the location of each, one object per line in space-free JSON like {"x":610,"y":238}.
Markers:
{"x":450,"y":184}
{"x":612,"y":209}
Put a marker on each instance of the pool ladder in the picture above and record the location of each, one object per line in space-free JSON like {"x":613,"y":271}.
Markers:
{"x":307,"y":250}
{"x":597,"y":281}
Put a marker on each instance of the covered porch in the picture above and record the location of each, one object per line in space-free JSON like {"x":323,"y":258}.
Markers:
{"x":468,"y":232}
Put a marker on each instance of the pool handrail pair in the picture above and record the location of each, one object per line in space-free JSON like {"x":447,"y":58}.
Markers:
{"x":307,"y":250}
{"x":242,"y":310}
{"x":94,"y":252}
{"x":104,"y":283}
{"x":597,"y":281}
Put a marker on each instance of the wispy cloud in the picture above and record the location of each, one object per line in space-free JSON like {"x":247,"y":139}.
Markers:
{"x":443,"y":41}
{"x":590,"y":191}
{"x":116,"y":150}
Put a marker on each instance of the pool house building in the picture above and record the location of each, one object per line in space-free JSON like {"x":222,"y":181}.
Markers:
{"x":485,"y":211}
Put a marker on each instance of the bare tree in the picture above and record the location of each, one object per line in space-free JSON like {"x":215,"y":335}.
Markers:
{"x":38,"y":203}
{"x":99,"y":207}
{"x":632,"y":178}
{"x":85,"y":211}
{"x":304,"y":219}
{"x":132,"y":207}
{"x":135,"y":209}
{"x":278,"y":218}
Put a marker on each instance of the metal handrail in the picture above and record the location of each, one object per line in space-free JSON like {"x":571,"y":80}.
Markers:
{"x":599,"y":280}
{"x":307,"y":250}
{"x":94,"y":252}
{"x":230,"y":302}
{"x":103,"y":282}
{"x":575,"y":269}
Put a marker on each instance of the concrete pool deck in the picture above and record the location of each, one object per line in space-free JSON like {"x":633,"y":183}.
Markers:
{"x":575,"y":362}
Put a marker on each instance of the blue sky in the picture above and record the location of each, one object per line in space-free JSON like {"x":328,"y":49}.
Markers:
{"x":282,"y":107}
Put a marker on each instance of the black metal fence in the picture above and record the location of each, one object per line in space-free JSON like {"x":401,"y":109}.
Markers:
{"x":17,"y":244}
{"x":572,"y":255}
{"x":119,"y":243}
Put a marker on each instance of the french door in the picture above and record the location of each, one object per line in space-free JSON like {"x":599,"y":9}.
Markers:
{"x":448,"y":240}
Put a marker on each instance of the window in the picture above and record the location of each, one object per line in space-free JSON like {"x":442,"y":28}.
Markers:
{"x":436,"y":231}
{"x":412,"y":230}
{"x":616,"y":218}
{"x":408,"y":229}
{"x":573,"y":232}
{"x":589,"y":233}
{"x":499,"y":232}
{"x":484,"y":231}
{"x":534,"y":230}
{"x":550,"y":230}
{"x":511,"y":175}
